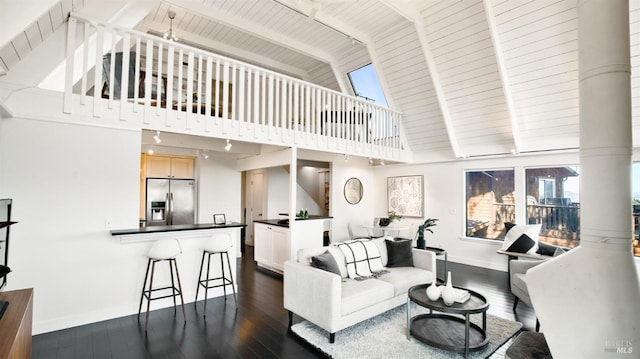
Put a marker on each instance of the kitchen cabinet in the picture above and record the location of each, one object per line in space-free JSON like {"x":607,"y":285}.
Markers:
{"x":271,"y":246}
{"x":169,"y":167}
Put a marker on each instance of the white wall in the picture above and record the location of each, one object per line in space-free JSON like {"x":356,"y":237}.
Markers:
{"x":444,"y":197}
{"x":66,"y":181}
{"x":219,"y":187}
{"x":277,"y":185}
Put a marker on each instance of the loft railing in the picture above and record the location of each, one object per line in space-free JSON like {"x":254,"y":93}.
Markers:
{"x":168,"y":84}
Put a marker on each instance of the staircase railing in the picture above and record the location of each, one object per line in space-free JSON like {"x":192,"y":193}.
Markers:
{"x":168,"y":84}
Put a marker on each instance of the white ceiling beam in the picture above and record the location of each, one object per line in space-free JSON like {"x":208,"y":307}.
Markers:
{"x":259,"y":31}
{"x":504,"y":76}
{"x":437,"y":86}
{"x":221,"y":48}
{"x":321,"y":17}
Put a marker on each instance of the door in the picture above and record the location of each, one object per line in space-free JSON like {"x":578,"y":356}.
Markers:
{"x":257,"y":202}
{"x":182,"y":196}
{"x":157,"y":201}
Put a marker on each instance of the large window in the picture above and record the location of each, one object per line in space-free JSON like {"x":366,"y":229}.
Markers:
{"x":366,"y":85}
{"x":490,"y":202}
{"x":553,"y":200}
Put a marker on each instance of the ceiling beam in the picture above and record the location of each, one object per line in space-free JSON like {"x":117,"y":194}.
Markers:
{"x":258,"y":31}
{"x":437,"y":86}
{"x":221,"y":48}
{"x":502,"y":68}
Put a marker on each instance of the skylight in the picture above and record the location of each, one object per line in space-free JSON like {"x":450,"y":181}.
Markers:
{"x":366,"y":85}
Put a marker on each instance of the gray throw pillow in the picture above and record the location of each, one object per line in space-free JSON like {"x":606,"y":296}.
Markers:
{"x":399,"y":253}
{"x":326,"y":262}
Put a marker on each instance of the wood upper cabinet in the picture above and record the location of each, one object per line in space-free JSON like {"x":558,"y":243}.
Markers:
{"x":169,"y":167}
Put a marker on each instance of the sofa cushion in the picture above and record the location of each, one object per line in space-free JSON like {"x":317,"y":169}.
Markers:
{"x":326,"y":262}
{"x":382,"y":248}
{"x":362,"y":258}
{"x":403,"y":278}
{"x":357,"y":295}
{"x":399,"y":252}
{"x":518,"y":280}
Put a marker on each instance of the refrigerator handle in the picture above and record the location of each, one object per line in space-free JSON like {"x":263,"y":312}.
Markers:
{"x":167,"y":208}
{"x":171,"y":207}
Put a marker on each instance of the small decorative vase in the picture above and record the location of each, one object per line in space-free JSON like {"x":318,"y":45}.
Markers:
{"x":383,"y":222}
{"x":448,"y":294}
{"x":433,"y":292}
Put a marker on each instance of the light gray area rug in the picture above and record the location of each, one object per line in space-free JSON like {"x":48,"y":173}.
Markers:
{"x":385,"y":336}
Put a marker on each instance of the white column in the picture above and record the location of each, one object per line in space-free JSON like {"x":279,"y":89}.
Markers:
{"x":586,"y":300}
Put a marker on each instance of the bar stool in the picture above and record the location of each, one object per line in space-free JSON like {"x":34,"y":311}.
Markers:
{"x":217,"y":244}
{"x":162,"y":250}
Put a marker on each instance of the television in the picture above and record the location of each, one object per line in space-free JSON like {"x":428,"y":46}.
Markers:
{"x":5,"y":223}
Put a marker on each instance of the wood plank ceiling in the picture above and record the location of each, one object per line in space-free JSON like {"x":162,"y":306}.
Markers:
{"x":471,"y":77}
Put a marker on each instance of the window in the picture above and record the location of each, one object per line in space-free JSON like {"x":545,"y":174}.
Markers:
{"x":490,"y":202}
{"x":553,"y":200}
{"x":366,"y":85}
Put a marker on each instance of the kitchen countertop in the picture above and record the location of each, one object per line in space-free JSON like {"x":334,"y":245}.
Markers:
{"x":276,"y":222}
{"x":173,"y":228}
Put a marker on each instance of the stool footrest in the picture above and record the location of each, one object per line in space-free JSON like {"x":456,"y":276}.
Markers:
{"x":147,"y":293}
{"x":225,"y":282}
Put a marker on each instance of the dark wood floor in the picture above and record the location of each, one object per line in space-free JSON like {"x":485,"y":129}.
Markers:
{"x":257,"y":330}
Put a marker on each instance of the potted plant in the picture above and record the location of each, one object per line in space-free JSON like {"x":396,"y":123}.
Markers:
{"x":426,"y":226}
{"x":392,"y":216}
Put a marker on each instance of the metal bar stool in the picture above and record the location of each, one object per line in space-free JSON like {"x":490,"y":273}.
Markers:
{"x":162,"y":250}
{"x":217,"y":244}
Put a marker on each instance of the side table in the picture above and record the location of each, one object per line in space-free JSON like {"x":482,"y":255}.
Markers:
{"x":440,"y":252}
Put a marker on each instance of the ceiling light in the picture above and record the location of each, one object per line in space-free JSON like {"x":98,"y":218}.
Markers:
{"x":205,"y":155}
{"x":170,"y":35}
{"x":346,"y":157}
{"x":157,"y":138}
{"x":370,"y":161}
{"x":150,"y":150}
{"x":381,"y":162}
{"x":228,"y":146}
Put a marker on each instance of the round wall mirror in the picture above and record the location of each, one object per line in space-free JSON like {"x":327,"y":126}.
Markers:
{"x":353,"y":190}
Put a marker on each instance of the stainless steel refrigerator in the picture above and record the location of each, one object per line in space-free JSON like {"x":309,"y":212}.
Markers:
{"x":170,"y":201}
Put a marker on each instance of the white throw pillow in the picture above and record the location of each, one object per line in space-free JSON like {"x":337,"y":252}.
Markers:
{"x":522,"y":239}
{"x":362,"y":258}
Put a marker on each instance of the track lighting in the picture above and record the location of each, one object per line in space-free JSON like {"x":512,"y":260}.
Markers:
{"x":157,"y":138}
{"x":346,"y":157}
{"x":381,"y":162}
{"x":370,"y":161}
{"x":228,"y":146}
{"x":205,"y":155}
{"x":150,"y":150}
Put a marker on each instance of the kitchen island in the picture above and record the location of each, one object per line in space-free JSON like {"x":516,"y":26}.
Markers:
{"x":274,"y":243}
{"x":192,"y":238}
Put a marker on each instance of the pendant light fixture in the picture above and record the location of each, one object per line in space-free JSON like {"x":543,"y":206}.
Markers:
{"x":170,"y":34}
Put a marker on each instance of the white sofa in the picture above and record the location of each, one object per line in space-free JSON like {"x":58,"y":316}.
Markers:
{"x":334,"y":302}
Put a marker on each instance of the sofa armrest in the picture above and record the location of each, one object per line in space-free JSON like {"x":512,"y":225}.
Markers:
{"x":424,"y":259}
{"x":313,"y":294}
{"x":522,"y":266}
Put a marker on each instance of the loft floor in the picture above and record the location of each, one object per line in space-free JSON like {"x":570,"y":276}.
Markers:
{"x":257,"y":330}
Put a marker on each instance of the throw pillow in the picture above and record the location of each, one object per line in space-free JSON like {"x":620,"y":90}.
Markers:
{"x":326,"y":262}
{"x":399,"y":252}
{"x":522,"y":239}
{"x":546,"y":249}
{"x":362,"y":258}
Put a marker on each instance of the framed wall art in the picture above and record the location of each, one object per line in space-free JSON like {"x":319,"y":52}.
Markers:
{"x":405,"y":195}
{"x":219,"y":219}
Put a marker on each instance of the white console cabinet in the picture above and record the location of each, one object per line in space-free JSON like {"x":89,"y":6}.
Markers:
{"x":272,"y":247}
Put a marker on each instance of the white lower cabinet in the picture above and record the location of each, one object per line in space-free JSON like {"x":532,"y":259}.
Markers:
{"x":272,"y":247}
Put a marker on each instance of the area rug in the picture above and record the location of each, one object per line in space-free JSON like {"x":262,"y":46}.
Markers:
{"x":385,"y":336}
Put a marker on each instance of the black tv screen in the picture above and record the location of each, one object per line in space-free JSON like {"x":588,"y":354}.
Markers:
{"x":5,"y":221}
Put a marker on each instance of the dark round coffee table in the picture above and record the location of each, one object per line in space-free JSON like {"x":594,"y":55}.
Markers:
{"x":446,"y":331}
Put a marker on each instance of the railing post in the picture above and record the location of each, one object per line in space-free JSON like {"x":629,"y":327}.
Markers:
{"x":68,"y":83}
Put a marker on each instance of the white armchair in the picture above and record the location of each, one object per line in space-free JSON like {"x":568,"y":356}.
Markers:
{"x":518,"y":270}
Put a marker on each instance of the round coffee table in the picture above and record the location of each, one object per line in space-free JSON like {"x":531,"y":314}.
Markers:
{"x":446,"y":331}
